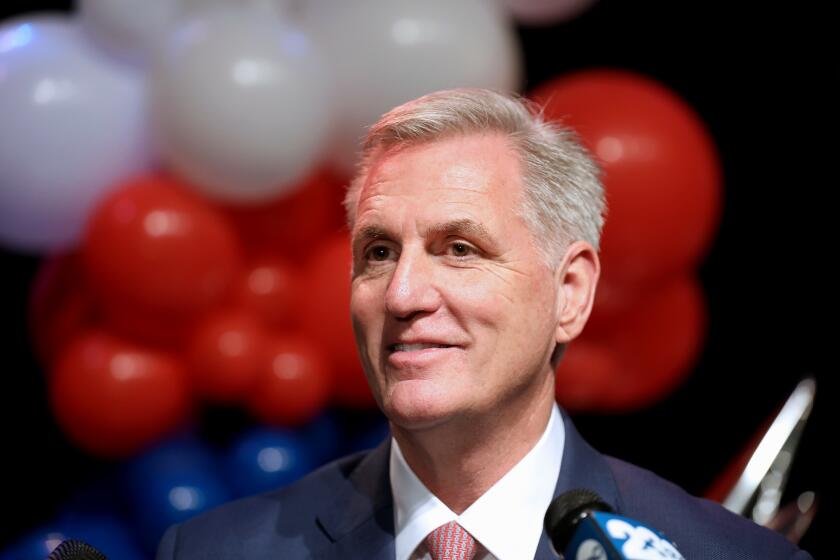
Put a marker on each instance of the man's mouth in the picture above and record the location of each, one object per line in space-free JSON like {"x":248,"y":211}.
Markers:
{"x":415,"y":347}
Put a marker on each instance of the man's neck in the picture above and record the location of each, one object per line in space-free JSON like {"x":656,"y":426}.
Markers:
{"x":460,"y":460}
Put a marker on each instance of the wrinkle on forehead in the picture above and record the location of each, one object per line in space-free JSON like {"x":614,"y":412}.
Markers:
{"x":464,"y":177}
{"x":468,"y":175}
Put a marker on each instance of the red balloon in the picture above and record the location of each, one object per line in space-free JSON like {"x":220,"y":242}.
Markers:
{"x":60,"y":305}
{"x":225,"y":354}
{"x":269,"y":288}
{"x":660,"y":340}
{"x":294,"y":383}
{"x":612,"y":299}
{"x":585,"y":374}
{"x":662,"y":174}
{"x":154,"y":246}
{"x":292,"y":224}
{"x":113,"y":398}
{"x":169,"y":330}
{"x":326,"y":318}
{"x":646,"y":353}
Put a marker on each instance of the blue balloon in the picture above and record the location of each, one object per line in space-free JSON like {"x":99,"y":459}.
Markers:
{"x":323,"y":437}
{"x":106,"y":534}
{"x":267,"y":458}
{"x":170,"y":484}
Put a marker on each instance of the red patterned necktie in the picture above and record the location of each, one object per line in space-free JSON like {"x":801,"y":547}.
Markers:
{"x":450,"y":541}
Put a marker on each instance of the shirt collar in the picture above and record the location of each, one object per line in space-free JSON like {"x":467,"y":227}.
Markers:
{"x":507,"y":519}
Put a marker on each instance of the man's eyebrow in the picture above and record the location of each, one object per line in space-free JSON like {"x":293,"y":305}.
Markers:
{"x":465,"y":227}
{"x":368,"y":233}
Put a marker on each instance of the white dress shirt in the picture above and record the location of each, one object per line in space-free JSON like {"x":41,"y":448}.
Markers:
{"x":507,"y":519}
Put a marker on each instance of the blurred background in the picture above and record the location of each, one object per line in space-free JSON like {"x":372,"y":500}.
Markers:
{"x":175,"y":259}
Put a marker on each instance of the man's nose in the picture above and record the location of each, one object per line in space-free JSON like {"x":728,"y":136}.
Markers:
{"x":412,"y":289}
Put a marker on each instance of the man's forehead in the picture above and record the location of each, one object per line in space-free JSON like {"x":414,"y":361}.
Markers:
{"x":465,"y":173}
{"x":470,"y":162}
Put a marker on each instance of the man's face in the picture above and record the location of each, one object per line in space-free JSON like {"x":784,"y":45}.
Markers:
{"x":453,"y":307}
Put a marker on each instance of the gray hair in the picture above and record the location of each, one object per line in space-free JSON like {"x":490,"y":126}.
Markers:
{"x":564,"y":198}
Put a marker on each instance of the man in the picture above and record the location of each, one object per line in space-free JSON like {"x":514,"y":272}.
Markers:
{"x":475,"y":229}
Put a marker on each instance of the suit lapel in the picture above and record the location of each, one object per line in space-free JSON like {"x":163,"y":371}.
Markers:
{"x":581,"y":467}
{"x":360,"y":524}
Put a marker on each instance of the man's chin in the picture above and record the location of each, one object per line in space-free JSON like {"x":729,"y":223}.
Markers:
{"x":417,"y":406}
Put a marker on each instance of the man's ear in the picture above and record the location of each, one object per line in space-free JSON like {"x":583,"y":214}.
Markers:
{"x":576,"y":278}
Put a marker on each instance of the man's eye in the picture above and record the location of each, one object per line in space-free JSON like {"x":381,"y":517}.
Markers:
{"x":379,"y":253}
{"x":459,"y":249}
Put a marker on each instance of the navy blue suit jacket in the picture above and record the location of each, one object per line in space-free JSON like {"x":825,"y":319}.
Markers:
{"x":344,"y":511}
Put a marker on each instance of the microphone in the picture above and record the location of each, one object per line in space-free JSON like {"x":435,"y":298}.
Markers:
{"x":582,"y":526}
{"x":75,"y":550}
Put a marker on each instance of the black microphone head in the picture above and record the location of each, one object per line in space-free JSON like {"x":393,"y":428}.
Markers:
{"x":75,"y":550}
{"x":566,"y":510}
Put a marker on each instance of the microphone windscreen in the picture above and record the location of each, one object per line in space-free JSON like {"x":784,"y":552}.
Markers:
{"x":75,"y":550}
{"x":565,"y":511}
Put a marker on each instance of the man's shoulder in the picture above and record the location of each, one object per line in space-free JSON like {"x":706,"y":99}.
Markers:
{"x":695,"y":524}
{"x":249,"y":527}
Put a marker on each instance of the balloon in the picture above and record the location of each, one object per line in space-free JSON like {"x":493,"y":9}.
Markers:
{"x":265,"y":459}
{"x":225,"y":355}
{"x":309,"y":213}
{"x":274,"y":8}
{"x":164,"y":329}
{"x":112,"y":397}
{"x":294,"y":383}
{"x":323,"y":436}
{"x":326,"y":318}
{"x":106,"y":534}
{"x":662,"y":175}
{"x":60,"y":305}
{"x":660,"y":341}
{"x":545,"y":12}
{"x":156,"y":247}
{"x":73,"y":125}
{"x":387,"y":52}
{"x":129,"y":34}
{"x":612,"y":299}
{"x":585,"y":374}
{"x":183,"y":451}
{"x":644,"y":356}
{"x":270,"y":288}
{"x":172,"y":483}
{"x":241,"y":104}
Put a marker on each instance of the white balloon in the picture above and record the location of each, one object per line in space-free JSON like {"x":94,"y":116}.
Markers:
{"x":386,"y":52}
{"x":241,"y":103}
{"x":128,"y":29}
{"x":73,"y":125}
{"x":276,"y":7}
{"x":546,"y":12}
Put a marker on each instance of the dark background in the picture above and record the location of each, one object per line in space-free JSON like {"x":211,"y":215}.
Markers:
{"x":756,"y":77}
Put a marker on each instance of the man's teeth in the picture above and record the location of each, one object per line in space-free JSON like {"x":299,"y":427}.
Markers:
{"x":414,"y":347}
